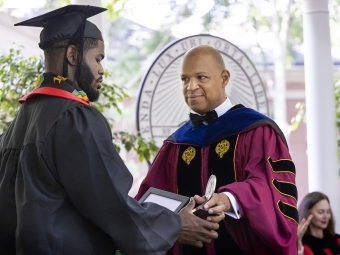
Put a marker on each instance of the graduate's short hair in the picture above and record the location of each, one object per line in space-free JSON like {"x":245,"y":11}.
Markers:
{"x":57,"y":49}
{"x":66,"y":23}
{"x":308,"y":203}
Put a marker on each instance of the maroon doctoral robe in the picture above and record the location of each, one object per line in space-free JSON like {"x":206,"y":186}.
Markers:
{"x":249,"y":156}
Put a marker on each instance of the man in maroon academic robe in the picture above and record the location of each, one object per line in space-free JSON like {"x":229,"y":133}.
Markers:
{"x":249,"y":156}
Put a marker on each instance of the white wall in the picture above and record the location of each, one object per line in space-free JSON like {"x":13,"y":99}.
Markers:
{"x":26,"y":36}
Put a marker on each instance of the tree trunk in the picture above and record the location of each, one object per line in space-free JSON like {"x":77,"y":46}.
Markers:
{"x":279,"y":53}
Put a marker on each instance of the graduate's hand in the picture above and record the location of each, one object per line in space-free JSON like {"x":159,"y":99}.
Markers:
{"x":195,"y":231}
{"x":302,"y":227}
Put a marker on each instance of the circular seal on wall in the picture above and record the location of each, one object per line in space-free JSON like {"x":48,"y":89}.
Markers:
{"x":161,"y":108}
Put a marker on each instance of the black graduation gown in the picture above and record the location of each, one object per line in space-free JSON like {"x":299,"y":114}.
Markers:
{"x":64,"y":188}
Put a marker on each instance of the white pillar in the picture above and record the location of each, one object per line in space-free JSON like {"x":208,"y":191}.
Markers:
{"x":323,"y":167}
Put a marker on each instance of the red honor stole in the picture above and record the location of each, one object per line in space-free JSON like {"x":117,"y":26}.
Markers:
{"x":49,"y":91}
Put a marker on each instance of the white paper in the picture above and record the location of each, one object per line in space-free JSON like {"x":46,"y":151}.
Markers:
{"x":166,"y":202}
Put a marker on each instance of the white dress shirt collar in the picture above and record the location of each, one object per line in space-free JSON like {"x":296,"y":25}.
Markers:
{"x":224,"y":107}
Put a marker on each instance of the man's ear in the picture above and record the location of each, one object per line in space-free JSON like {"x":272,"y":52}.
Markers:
{"x":225,"y":77}
{"x":71,"y":55}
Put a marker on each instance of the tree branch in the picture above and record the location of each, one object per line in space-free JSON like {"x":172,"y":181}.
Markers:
{"x":285,"y":24}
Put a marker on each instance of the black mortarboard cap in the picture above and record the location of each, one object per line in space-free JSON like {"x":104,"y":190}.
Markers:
{"x":68,"y":22}
{"x":64,"y":22}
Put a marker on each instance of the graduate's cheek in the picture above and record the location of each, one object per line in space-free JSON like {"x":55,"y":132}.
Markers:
{"x":93,"y":60}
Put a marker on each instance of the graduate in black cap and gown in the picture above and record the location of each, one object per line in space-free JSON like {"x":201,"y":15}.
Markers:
{"x":63,"y":187}
{"x":247,"y":153}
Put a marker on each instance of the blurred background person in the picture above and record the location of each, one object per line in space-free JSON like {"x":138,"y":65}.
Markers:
{"x":316,"y":234}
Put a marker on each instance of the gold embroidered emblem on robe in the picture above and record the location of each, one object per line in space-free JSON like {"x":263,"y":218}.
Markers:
{"x":188,"y":154}
{"x":222,"y":147}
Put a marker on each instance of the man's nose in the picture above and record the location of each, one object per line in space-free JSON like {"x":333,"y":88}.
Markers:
{"x":101,"y":69}
{"x":192,"y":85}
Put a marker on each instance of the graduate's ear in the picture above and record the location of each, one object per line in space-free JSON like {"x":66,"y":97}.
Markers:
{"x":71,"y":55}
{"x":225,"y":77}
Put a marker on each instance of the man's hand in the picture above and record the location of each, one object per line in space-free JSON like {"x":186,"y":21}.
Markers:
{"x":215,"y":210}
{"x":195,"y":231}
{"x":218,"y":204}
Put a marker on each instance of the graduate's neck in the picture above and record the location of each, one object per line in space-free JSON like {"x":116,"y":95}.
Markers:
{"x":58,"y":70}
{"x":71,"y":75}
{"x":54,"y":65}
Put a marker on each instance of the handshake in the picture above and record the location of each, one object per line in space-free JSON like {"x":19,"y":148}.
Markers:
{"x":198,"y":230}
{"x":199,"y":224}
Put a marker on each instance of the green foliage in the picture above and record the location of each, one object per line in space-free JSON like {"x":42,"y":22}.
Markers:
{"x":158,"y":39}
{"x":258,"y":18}
{"x":295,"y":36}
{"x":337,"y":98}
{"x":110,"y":96}
{"x":17,"y":78}
{"x":219,"y":11}
{"x":296,"y":25}
{"x":337,"y":101}
{"x":53,"y":4}
{"x":184,"y":10}
{"x":300,"y":116}
{"x":216,"y":14}
{"x":126,"y":65}
{"x":334,"y":13}
{"x":145,"y":150}
{"x":114,"y":8}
